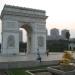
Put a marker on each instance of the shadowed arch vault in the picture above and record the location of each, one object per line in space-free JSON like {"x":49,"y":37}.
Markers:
{"x":29,"y":30}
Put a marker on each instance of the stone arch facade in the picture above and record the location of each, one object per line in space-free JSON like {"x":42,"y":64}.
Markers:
{"x":32,"y":19}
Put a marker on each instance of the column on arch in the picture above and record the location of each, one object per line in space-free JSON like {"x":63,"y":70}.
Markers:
{"x":10,"y":37}
{"x":39,"y":38}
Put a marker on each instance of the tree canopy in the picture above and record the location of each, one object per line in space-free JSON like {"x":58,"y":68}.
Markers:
{"x":67,"y":35}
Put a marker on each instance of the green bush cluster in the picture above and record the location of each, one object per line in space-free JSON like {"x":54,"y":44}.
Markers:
{"x":57,"y":45}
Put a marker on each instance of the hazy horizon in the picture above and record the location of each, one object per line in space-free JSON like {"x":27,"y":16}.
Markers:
{"x":61,"y":13}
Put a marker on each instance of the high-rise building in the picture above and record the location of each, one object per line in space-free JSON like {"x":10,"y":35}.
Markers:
{"x":63,"y":33}
{"x":54,"y":34}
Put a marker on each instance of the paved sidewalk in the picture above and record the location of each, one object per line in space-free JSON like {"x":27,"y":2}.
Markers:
{"x":31,"y":57}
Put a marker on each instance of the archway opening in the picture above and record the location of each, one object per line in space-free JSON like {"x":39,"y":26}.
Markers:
{"x":22,"y":40}
{"x":25,"y":39}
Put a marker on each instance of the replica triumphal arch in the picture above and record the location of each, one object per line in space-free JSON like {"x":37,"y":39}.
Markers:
{"x":33,"y":20}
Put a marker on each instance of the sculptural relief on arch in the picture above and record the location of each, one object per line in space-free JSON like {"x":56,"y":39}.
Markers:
{"x":33,"y":20}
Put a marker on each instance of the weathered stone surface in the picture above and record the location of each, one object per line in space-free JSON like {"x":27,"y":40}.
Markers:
{"x":60,"y":72}
{"x":33,"y":20}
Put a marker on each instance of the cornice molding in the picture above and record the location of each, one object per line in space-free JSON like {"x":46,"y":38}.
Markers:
{"x":24,"y":8}
{"x":22,"y":11}
{"x":22,"y":14}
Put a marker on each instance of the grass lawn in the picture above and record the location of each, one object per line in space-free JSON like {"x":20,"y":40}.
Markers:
{"x":21,"y":71}
{"x":17,"y":72}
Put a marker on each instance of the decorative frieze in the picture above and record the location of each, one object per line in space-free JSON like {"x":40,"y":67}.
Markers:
{"x":10,"y":25}
{"x":40,"y":41}
{"x":11,"y":41}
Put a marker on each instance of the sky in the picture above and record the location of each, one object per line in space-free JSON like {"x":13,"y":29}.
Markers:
{"x":61,"y":13}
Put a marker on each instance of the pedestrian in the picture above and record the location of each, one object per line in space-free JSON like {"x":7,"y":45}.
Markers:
{"x":25,"y":51}
{"x":47,"y":52}
{"x":40,"y":59}
{"x":38,"y":55}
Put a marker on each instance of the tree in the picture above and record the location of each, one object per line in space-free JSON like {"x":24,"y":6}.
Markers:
{"x":67,"y":37}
